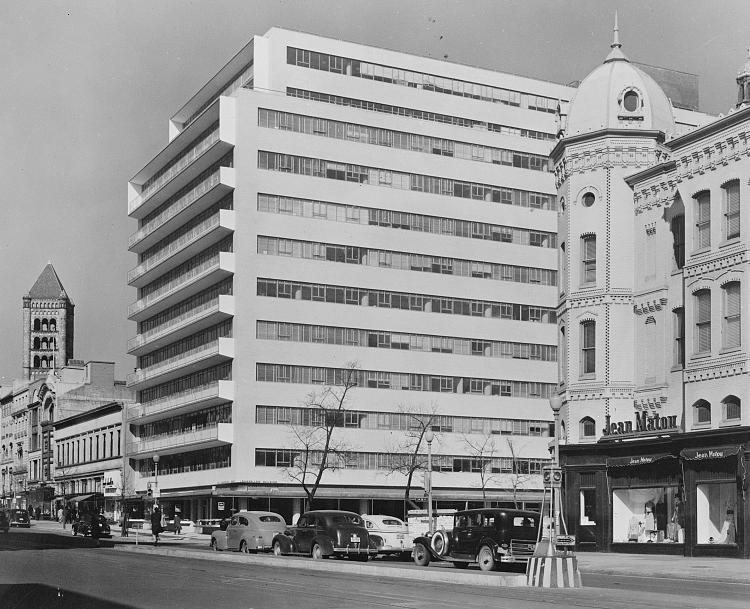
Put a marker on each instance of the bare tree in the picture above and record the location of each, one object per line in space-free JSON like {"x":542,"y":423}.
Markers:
{"x":481,"y":451}
{"x":315,"y":449}
{"x":411,"y":447}
{"x":520,"y":474}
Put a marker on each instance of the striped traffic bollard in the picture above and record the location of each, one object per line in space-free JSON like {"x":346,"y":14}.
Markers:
{"x":553,"y":572}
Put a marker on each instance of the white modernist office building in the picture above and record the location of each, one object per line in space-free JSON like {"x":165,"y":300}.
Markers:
{"x":322,"y":203}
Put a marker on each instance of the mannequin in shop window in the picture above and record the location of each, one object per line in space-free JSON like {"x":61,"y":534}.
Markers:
{"x":675,"y":532}
{"x":648,"y":524}
{"x":728,"y":529}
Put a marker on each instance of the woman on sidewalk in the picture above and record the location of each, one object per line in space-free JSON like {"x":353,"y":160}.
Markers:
{"x":156,"y":523}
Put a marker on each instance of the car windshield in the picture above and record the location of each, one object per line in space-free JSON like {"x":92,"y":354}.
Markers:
{"x":20,"y":512}
{"x":346,"y":519}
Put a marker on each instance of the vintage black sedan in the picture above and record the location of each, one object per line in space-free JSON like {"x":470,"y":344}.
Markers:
{"x":19,"y":518}
{"x":490,"y":537}
{"x":91,"y":524}
{"x":325,"y":533}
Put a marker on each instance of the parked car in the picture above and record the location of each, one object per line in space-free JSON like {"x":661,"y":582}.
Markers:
{"x":249,"y":532}
{"x":389,"y":534}
{"x":324,"y":533}
{"x":84,"y":523}
{"x":4,"y":522}
{"x":19,"y":518}
{"x":491,"y":537}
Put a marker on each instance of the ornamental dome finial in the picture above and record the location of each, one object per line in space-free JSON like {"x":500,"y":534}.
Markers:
{"x":616,"y":35}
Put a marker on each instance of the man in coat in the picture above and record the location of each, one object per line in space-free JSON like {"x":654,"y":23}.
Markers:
{"x":156,"y":523}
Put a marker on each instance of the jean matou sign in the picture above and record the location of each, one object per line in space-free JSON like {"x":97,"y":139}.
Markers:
{"x":643,"y":424}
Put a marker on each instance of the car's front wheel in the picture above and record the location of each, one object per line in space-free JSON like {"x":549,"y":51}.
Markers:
{"x":317,"y":552}
{"x":243,"y":547}
{"x":421,"y":555}
{"x":75,"y":531}
{"x":486,"y":559}
{"x":277,"y":549}
{"x":213,"y":545}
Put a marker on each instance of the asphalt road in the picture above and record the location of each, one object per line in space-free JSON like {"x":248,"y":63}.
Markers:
{"x":50,"y":571}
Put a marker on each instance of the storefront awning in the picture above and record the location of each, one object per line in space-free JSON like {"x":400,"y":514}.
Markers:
{"x":702,"y":454}
{"x":82,"y":498}
{"x":636,"y":460}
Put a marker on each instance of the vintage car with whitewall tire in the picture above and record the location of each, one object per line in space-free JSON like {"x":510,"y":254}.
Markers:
{"x":325,"y":533}
{"x":249,"y":531}
{"x":389,"y":534}
{"x":95,"y":525}
{"x":490,"y":537}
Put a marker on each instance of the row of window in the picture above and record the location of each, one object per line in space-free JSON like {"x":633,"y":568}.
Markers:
{"x":193,"y":421}
{"x":44,"y":361}
{"x":92,"y":446}
{"x":400,"y":421}
{"x":186,"y":308}
{"x":376,"y":379}
{"x":731,"y":205}
{"x":418,"y":80}
{"x":402,"y":180}
{"x":350,"y":254}
{"x":44,"y":344}
{"x":188,"y":269}
{"x":185,"y":346}
{"x":298,"y":123}
{"x":45,"y":325}
{"x":383,"y":339}
{"x":180,"y":463}
{"x":354,"y":214}
{"x":448,"y":119}
{"x":279,"y":457}
{"x":186,"y":385}
{"x":404,"y":301}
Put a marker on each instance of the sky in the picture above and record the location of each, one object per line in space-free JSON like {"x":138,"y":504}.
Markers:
{"x":88,"y":88}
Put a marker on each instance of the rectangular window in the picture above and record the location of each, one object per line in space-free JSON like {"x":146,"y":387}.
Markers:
{"x":588,"y":347}
{"x":679,"y":337}
{"x":732,"y":209}
{"x":588,"y":259}
{"x":732,"y":326}
{"x":703,"y":220}
{"x":715,"y":513}
{"x":703,"y":321}
{"x":647,"y":515}
{"x":678,"y":241}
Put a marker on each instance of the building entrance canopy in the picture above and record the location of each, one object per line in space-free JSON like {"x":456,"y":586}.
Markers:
{"x":638,"y":460}
{"x":702,"y":454}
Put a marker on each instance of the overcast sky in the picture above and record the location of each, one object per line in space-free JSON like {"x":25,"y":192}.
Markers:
{"x":88,"y":88}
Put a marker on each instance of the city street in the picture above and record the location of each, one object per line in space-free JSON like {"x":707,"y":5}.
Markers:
{"x":42,"y":567}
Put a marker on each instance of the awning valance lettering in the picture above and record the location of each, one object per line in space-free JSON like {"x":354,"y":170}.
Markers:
{"x":636,"y":460}
{"x":702,"y":454}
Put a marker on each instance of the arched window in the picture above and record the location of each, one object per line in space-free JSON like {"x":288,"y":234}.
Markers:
{"x":37,"y":325}
{"x":44,"y":361}
{"x":36,"y":361}
{"x":732,"y":408}
{"x":36,"y":343}
{"x":45,"y":327}
{"x":588,"y":427}
{"x":588,"y":259}
{"x":53,"y":325}
{"x":702,"y":321}
{"x":588,"y":347}
{"x":52,"y":343}
{"x":702,"y":412}
{"x":45,"y":344}
{"x":732,"y":328}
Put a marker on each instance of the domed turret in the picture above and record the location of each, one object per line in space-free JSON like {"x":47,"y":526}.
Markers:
{"x":617,"y":95}
{"x":743,"y":83}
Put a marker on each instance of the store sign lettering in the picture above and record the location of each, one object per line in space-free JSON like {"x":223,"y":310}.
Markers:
{"x":643,"y":423}
{"x":710,"y":454}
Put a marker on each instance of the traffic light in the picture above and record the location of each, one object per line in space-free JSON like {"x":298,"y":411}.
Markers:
{"x":150,"y":492}
{"x":552,"y":477}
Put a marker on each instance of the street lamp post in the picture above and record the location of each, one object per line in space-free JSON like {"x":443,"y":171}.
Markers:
{"x":556,"y":403}
{"x":429,"y":436}
{"x":156,"y":478}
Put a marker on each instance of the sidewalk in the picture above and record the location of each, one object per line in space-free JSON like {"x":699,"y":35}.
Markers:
{"x":735,"y":570}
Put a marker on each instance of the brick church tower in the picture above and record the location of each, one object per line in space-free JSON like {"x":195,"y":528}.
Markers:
{"x":47,"y":325}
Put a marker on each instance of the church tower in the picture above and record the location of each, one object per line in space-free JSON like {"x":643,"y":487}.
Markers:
{"x":47,"y":326}
{"x":617,"y":124}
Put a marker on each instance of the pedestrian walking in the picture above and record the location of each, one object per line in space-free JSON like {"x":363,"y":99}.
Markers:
{"x":124,"y":523}
{"x":177,"y":524}
{"x":156,"y":523}
{"x":61,"y":516}
{"x":96,"y":527}
{"x":66,"y":516}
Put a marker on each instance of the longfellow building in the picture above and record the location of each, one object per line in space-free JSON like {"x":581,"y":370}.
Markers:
{"x":654,"y":369}
{"x":320,"y":203}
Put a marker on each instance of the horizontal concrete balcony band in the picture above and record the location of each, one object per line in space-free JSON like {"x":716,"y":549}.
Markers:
{"x":197,"y":398}
{"x":140,"y":206}
{"x":205,"y":356}
{"x":200,"y":237}
{"x":190,"y":322}
{"x":209,"y":437}
{"x":203,"y":195}
{"x":210,"y":272}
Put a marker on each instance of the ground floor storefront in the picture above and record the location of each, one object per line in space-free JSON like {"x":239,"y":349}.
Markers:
{"x":683,"y":494}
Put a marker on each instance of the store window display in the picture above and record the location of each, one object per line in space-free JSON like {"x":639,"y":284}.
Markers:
{"x":647,"y":515}
{"x":715,"y":523}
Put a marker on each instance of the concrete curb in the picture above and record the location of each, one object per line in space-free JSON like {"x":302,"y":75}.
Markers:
{"x":447,"y":575}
